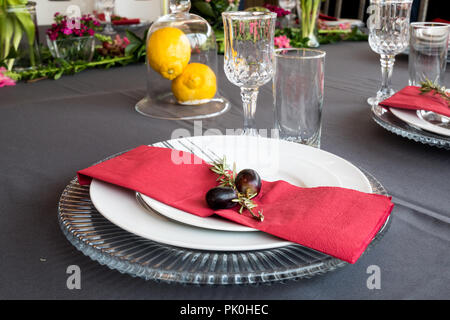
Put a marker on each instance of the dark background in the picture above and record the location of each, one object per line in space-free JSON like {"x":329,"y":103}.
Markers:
{"x":436,"y":8}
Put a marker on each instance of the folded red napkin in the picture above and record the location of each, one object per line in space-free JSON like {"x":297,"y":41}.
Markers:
{"x":125,"y":21}
{"x":411,"y":98}
{"x":336,"y":221}
{"x":325,"y":17}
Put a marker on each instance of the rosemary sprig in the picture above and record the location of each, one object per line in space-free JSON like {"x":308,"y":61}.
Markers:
{"x":430,"y":86}
{"x":226,"y":179}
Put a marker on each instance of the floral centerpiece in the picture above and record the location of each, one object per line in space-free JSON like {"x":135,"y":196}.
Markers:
{"x":72,"y":38}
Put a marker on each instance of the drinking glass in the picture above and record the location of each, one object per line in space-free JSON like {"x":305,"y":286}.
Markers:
{"x":428,"y":47}
{"x":107,"y":7}
{"x":388,"y":25}
{"x":298,"y":94}
{"x":288,"y":5}
{"x":249,"y":56}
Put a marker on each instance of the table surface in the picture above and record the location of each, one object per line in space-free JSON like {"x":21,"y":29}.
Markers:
{"x":50,"y":129}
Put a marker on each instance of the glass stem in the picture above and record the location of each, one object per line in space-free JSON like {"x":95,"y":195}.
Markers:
{"x":249,"y":97}
{"x":387,"y":65}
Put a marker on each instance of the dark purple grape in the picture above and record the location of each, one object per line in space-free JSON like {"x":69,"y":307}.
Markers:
{"x":220,"y":198}
{"x":248,"y":181}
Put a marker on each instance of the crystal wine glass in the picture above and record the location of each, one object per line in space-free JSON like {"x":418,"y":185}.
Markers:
{"x":288,"y":5}
{"x":388,"y":25}
{"x":249,"y":56}
{"x":107,"y":7}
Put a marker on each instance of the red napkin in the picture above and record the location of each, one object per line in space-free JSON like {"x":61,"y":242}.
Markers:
{"x":410,"y":98}
{"x":325,"y":17}
{"x":441,"y":20}
{"x":336,"y":221}
{"x":125,"y":21}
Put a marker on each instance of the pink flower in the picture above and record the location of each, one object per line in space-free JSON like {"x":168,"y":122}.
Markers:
{"x":279,"y":11}
{"x":5,"y":80}
{"x":282,"y":42}
{"x":67,"y":31}
{"x":121,"y":42}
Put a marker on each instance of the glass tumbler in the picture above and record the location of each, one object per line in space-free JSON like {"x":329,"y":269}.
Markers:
{"x":428,"y":48}
{"x":298,"y":89}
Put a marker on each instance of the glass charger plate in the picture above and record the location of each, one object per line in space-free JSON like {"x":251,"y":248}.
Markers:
{"x":104,"y":242}
{"x":391,"y":123}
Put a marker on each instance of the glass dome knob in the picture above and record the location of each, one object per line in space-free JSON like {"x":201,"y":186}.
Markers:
{"x":177,"y":6}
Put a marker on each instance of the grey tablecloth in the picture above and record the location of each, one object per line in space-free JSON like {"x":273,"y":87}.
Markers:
{"x":50,"y":129}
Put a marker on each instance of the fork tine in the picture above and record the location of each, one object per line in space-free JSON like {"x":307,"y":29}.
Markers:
{"x":207,"y":152}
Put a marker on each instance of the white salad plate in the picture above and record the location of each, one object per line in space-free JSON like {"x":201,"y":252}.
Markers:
{"x":273,"y":159}
{"x":411,"y":117}
{"x":297,"y":164}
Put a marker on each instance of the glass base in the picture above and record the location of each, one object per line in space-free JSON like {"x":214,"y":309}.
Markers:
{"x":108,"y":30}
{"x":373,"y":101}
{"x":313,"y":142}
{"x":167,"y":108}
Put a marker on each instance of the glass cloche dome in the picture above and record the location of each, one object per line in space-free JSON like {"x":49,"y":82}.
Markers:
{"x":182,"y":77}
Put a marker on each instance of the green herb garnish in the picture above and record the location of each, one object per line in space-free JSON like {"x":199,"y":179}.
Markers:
{"x":429,"y":86}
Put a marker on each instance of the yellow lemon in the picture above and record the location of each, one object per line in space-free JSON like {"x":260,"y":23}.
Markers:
{"x":168,"y":52}
{"x":196,"y":85}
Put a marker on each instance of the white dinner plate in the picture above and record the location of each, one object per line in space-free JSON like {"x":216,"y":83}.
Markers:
{"x":411,"y":117}
{"x":119,"y":205}
{"x":298,"y":164}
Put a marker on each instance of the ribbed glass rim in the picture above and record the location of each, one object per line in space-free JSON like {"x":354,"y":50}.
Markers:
{"x":429,"y":25}
{"x":317,"y":54}
{"x":248,"y":15}
{"x":390,"y":1}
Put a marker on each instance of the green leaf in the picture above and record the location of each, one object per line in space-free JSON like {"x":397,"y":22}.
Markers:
{"x":134,"y":38}
{"x":58,"y":75}
{"x":132,"y":48}
{"x":7,"y":32}
{"x":103,"y":38}
{"x":204,"y":8}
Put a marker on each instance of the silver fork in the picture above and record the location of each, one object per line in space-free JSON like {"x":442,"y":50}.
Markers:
{"x":204,"y":153}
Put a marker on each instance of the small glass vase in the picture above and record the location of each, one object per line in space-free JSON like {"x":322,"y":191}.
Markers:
{"x":72,"y":49}
{"x":309,"y":17}
{"x":19,"y":38}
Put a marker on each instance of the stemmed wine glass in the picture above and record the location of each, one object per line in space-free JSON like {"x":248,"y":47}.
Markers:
{"x":388,"y":25}
{"x":107,"y":7}
{"x":288,"y":5}
{"x":249,"y":56}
